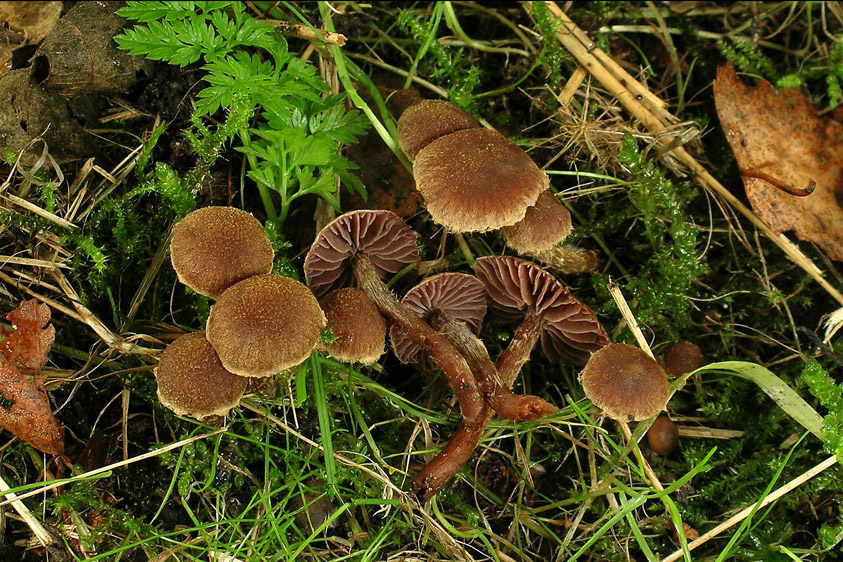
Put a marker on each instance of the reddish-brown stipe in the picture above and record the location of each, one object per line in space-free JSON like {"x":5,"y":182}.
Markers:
{"x":778,"y":184}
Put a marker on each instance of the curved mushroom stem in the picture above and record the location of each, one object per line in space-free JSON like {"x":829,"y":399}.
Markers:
{"x":447,"y":463}
{"x":437,"y":346}
{"x":445,"y":466}
{"x":519,"y":349}
{"x":498,"y":394}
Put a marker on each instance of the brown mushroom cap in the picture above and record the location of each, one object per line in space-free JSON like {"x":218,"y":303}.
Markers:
{"x":381,"y":235}
{"x":546,"y":224}
{"x":426,"y":121}
{"x":215,"y":247}
{"x":265,"y":324}
{"x":519,"y":288}
{"x":458,"y":296}
{"x":477,"y":180}
{"x":193,"y":382}
{"x":625,"y":382}
{"x":682,"y":357}
{"x":358,"y":326}
{"x":663,"y":436}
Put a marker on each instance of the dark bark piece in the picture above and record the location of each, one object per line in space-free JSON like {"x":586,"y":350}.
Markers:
{"x":79,"y":55}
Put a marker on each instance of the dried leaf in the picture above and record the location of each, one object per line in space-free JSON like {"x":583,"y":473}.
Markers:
{"x":25,"y":411}
{"x":29,"y":341}
{"x":27,"y":23}
{"x":778,"y":138}
{"x":24,"y":408}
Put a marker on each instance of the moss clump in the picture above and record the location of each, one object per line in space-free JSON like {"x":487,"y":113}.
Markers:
{"x":664,"y":283}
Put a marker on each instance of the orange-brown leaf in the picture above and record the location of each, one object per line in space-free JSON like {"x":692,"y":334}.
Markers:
{"x":25,"y":411}
{"x":29,"y":341}
{"x":24,"y":408}
{"x":777,"y":135}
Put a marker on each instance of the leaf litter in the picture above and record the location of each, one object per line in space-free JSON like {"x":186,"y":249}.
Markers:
{"x":24,"y":407}
{"x":789,"y":158}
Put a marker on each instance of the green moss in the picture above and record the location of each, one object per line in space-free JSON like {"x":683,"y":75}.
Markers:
{"x":663,"y":285}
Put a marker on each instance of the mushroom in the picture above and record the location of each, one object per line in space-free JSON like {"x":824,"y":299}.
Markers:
{"x":663,"y":436}
{"x":625,"y":383}
{"x":193,"y":382}
{"x":545,"y":224}
{"x":682,"y":357}
{"x":477,"y":180}
{"x":366,"y":246}
{"x":455,"y":303}
{"x":548,"y":311}
{"x":215,"y":247}
{"x":541,"y":232}
{"x":426,"y":121}
{"x":358,"y":327}
{"x":264,"y":325}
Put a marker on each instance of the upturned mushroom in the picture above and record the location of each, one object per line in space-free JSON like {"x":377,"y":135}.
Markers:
{"x":215,"y":247}
{"x":358,"y":327}
{"x":455,"y":303}
{"x":548,"y":312}
{"x":625,"y":383}
{"x":264,"y":325}
{"x":193,"y":382}
{"x":428,"y":120}
{"x":364,"y":247}
{"x":475,"y":180}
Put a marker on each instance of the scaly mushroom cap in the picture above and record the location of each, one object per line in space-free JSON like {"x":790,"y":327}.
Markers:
{"x":193,"y":382}
{"x":625,"y":383}
{"x":358,"y":326}
{"x":215,"y":247}
{"x":546,"y":224}
{"x":477,"y":180}
{"x":519,"y":288}
{"x":264,"y":325}
{"x":458,"y":296}
{"x":426,"y":121}
{"x":381,"y":235}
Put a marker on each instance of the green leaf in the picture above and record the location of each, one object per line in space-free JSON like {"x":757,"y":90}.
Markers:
{"x":786,"y":398}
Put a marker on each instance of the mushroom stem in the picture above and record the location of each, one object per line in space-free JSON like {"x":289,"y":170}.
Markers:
{"x":447,"y":463}
{"x":519,"y":349}
{"x":437,"y":346}
{"x":498,"y":394}
{"x":441,"y":469}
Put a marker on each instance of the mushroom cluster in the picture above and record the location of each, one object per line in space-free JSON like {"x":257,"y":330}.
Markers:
{"x":471,"y":179}
{"x":475,"y":180}
{"x":260,"y":325}
{"x":437,"y":321}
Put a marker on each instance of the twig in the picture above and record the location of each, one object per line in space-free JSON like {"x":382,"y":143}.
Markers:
{"x":40,"y":532}
{"x":615,"y":291}
{"x":804,"y":477}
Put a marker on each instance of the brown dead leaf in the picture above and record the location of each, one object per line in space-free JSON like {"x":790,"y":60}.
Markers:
{"x":25,"y":411}
{"x":29,"y":341}
{"x":27,"y":23}
{"x":778,"y":138}
{"x":24,"y":408}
